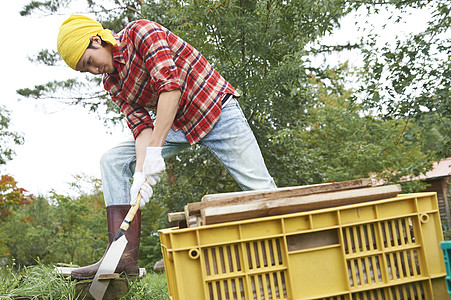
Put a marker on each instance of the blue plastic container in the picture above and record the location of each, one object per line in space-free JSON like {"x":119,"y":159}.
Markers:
{"x":446,"y":248}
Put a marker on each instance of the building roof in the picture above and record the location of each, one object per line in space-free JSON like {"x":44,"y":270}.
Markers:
{"x":440,"y":169}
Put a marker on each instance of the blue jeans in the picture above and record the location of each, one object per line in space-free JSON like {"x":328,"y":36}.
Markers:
{"x":231,"y":140}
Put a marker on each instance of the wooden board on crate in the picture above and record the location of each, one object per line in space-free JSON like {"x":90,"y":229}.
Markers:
{"x":236,"y":206}
{"x":248,"y":210}
{"x":275,"y":194}
{"x":193,"y":216}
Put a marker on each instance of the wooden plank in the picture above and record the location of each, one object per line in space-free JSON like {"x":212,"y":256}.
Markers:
{"x":109,"y":276}
{"x":192,"y":221}
{"x":176,"y":217}
{"x":292,"y":191}
{"x":65,"y":271}
{"x":228,"y":213}
{"x":225,"y":199}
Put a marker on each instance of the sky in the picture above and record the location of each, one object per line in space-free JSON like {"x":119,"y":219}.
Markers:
{"x":62,"y":141}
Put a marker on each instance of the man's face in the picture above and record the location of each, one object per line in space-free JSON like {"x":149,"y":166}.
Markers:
{"x":96,"y":60}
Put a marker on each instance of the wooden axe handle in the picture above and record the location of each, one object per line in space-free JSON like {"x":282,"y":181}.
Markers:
{"x":128,"y":218}
{"x":131,"y":214}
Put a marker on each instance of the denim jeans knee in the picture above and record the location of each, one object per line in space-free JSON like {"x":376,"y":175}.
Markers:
{"x":117,"y":166}
{"x":232,"y":141}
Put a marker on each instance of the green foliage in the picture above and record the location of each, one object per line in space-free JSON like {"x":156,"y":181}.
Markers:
{"x":11,"y":199}
{"x":46,"y":57}
{"x":7,"y":138}
{"x":152,"y":287}
{"x":88,"y":93}
{"x":30,"y":234}
{"x":410,"y":78}
{"x":338,"y":142}
{"x":153,"y":218}
{"x":11,"y":196}
{"x":259,"y":46}
{"x":57,"y":229}
{"x":72,"y":230}
{"x":79,"y":221}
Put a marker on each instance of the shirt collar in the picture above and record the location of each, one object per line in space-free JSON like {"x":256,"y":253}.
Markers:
{"x":118,"y":54}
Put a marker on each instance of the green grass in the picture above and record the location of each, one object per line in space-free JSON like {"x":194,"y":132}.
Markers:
{"x":36,"y":282}
{"x":41,"y":282}
{"x":152,"y":286}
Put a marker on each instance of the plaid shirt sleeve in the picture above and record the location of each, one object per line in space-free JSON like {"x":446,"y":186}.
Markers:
{"x":150,"y":42}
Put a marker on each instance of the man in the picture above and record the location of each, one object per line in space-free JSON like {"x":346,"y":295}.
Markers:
{"x":147,"y":67}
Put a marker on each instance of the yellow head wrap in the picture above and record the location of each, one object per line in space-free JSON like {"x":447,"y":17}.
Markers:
{"x":74,"y":37}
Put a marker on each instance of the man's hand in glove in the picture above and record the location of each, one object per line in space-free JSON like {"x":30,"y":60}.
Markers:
{"x":153,"y":167}
{"x":140,"y":186}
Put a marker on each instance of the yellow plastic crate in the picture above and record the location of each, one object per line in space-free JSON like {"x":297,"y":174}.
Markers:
{"x":386,"y":249}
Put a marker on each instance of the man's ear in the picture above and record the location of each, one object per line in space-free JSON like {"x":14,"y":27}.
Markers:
{"x":96,"y":40}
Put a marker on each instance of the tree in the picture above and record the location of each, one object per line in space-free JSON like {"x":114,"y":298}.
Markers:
{"x":62,"y":229}
{"x":58,"y":229}
{"x":410,"y":78}
{"x":342,"y":143}
{"x":11,"y":198}
{"x":7,"y":137}
{"x":30,"y":233}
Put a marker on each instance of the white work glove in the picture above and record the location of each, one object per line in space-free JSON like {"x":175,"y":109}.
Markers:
{"x":140,"y":186}
{"x":153,"y":167}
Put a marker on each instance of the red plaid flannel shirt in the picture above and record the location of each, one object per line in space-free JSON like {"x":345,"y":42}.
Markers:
{"x":149,"y":59}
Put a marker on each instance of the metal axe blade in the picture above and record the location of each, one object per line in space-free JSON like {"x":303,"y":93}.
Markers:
{"x":108,"y":266}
